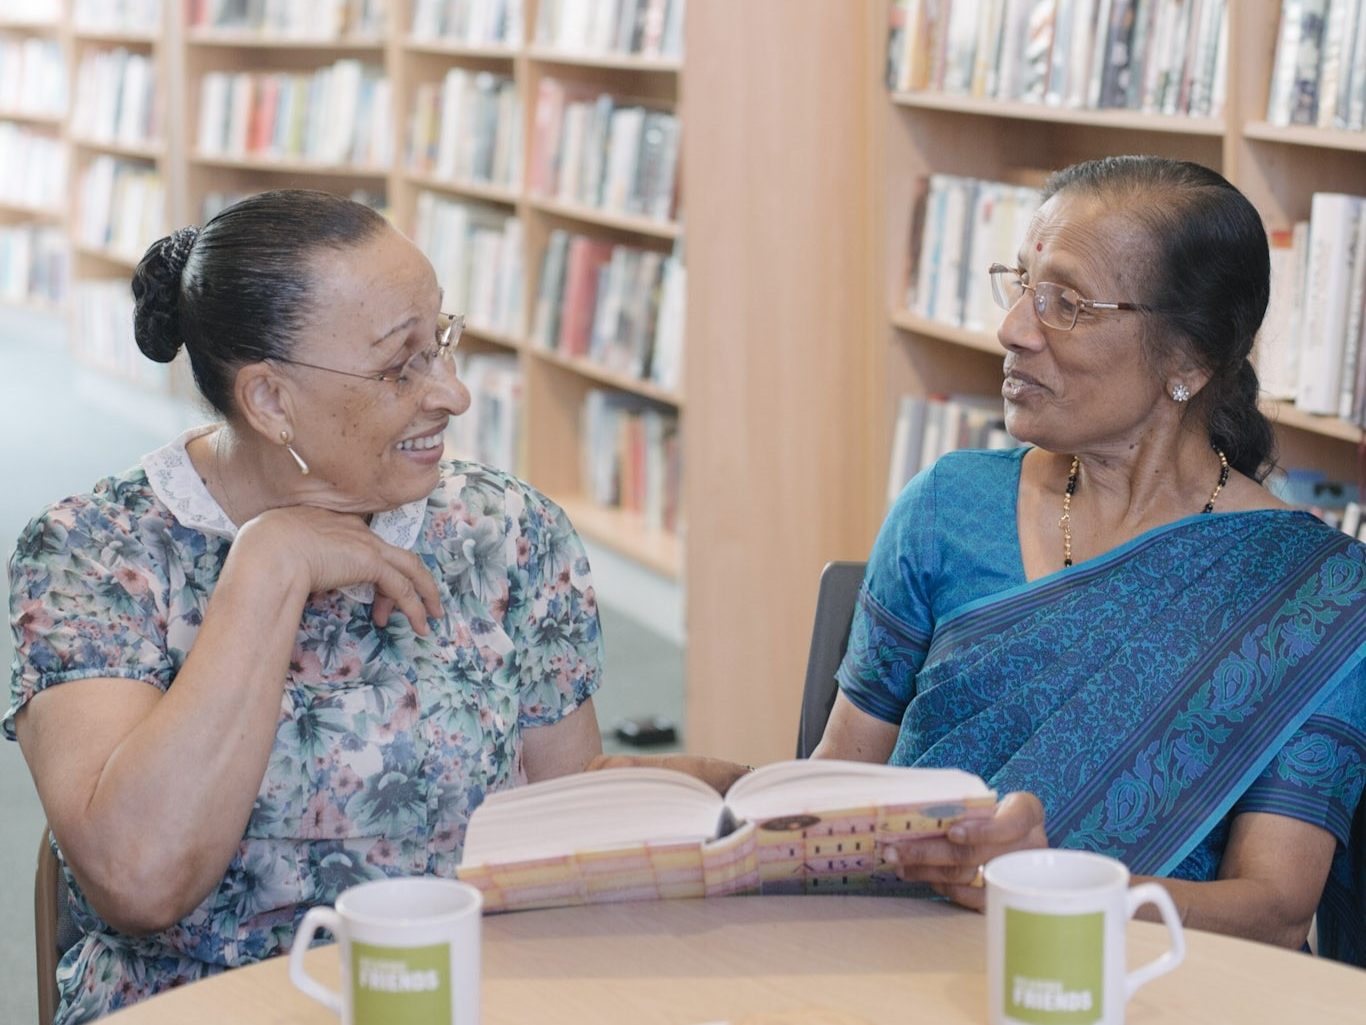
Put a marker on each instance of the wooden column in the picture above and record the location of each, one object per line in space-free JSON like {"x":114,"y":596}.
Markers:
{"x":782,"y":256}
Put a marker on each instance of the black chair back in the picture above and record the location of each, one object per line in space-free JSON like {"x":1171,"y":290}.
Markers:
{"x":835,"y":599}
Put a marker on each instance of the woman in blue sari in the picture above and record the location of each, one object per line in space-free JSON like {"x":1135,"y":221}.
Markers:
{"x":1119,"y":627}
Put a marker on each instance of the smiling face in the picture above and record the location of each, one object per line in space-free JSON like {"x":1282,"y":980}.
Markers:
{"x":374,"y":306}
{"x":1067,"y":391}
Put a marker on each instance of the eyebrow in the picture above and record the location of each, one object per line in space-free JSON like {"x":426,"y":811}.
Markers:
{"x":393,"y":331}
{"x":440,"y":298}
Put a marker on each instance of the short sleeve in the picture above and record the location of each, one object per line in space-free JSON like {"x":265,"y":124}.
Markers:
{"x":86,"y":600}
{"x":1319,"y":775}
{"x":552,"y":615}
{"x":892,"y":625}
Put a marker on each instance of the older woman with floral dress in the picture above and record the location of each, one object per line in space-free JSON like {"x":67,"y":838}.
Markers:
{"x":293,"y":650}
{"x":1119,"y":626}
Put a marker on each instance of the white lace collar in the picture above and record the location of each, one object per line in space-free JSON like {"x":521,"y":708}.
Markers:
{"x":174,"y":480}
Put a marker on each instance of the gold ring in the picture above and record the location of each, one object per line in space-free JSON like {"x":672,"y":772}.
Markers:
{"x":979,"y":878}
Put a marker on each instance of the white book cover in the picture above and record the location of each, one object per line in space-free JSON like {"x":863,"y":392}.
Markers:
{"x":1037,"y":51}
{"x":1353,"y":92}
{"x":931,"y":238}
{"x":980,"y":312}
{"x":987,"y":50}
{"x":239,"y":113}
{"x":959,"y":48}
{"x":1182,"y":41}
{"x":1278,"y":339}
{"x":1287,"y":57}
{"x":1218,"y":95}
{"x":1014,"y":38}
{"x":666,"y":362}
{"x":451,"y":132}
{"x":573,"y":137}
{"x":660,"y":205}
{"x":213,"y":113}
{"x":1332,"y":236}
{"x":1336,"y":35}
{"x":623,"y":152}
{"x":1083,"y":40}
{"x":1064,"y":19}
{"x":1100,"y":47}
{"x":1356,"y":293}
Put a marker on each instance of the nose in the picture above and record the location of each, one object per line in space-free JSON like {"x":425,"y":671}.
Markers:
{"x":446,"y":392}
{"x":1021,"y":329}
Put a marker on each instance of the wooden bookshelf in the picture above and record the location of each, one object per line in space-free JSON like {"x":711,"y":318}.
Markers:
{"x":604,"y":375}
{"x":15,"y":212}
{"x":798,"y":195}
{"x":483,"y":192}
{"x":604,"y":61}
{"x":460,"y":51}
{"x":1301,"y":135}
{"x":31,"y":118}
{"x":1017,"y":111}
{"x":229,"y":39}
{"x":588,"y":216}
{"x":95,"y":265}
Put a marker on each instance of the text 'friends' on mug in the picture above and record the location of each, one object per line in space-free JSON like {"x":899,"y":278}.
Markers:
{"x":1055,"y":938}
{"x":409,"y":952}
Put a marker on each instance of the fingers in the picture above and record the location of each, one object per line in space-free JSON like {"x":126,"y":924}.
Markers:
{"x":401,"y":592}
{"x":1019,"y":817}
{"x":949,"y":863}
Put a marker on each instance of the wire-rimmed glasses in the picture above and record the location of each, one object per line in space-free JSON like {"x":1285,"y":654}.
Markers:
{"x":1056,"y":306}
{"x":417,"y":368}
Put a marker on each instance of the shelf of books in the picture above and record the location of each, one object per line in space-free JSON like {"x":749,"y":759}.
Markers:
{"x":1274,"y":102}
{"x":121,"y":164}
{"x":34,"y":253}
{"x":537,"y":168}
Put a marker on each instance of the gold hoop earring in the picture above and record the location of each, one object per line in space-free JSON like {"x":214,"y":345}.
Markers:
{"x":298,"y":459}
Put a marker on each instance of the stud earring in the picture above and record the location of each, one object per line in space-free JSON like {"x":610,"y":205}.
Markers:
{"x":298,"y":459}
{"x":1179,"y":392}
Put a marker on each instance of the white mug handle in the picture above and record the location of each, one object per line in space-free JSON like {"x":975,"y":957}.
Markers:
{"x":317,"y":918}
{"x":1157,"y":895}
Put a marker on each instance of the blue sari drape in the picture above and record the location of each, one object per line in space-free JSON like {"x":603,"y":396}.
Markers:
{"x":1209,"y":667}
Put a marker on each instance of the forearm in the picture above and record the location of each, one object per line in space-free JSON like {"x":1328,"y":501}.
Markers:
{"x":169,"y":808}
{"x":1246,"y":908}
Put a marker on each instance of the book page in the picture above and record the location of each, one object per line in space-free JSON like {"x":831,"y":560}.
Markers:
{"x":817,"y":785}
{"x":595,"y":811}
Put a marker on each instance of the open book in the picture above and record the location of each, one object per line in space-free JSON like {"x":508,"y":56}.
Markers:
{"x":639,"y":833}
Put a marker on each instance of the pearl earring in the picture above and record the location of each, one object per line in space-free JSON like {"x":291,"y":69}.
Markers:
{"x":298,"y":459}
{"x":1179,"y":392}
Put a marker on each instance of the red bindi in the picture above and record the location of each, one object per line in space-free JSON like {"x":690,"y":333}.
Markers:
{"x":1038,"y":247}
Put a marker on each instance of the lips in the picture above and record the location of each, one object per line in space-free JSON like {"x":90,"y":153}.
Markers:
{"x":422,"y":442}
{"x":1019,"y":375}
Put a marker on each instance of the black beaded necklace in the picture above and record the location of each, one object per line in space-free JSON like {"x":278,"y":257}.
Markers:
{"x":1065,"y":521}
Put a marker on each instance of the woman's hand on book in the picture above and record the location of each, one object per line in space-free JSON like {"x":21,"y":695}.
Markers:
{"x":717,"y":773}
{"x":951,"y":863}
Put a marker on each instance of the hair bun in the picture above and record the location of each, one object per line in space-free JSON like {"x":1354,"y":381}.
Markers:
{"x":156,"y":294}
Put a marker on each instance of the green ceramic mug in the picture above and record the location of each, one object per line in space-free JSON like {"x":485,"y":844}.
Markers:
{"x":409,"y":953}
{"x":1055,"y":938}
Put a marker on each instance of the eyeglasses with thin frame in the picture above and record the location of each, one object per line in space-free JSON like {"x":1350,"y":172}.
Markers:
{"x":417,"y":368}
{"x":1056,"y":306}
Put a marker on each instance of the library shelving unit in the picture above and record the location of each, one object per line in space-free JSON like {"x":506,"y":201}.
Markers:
{"x":219,"y":176}
{"x":554,"y":385}
{"x":106,"y":144}
{"x":1278,"y":168}
{"x":37,"y":117}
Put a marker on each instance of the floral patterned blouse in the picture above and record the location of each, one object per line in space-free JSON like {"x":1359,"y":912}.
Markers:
{"x":387,"y":740}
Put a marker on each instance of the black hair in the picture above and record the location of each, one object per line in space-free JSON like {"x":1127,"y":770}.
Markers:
{"x":239,"y":289}
{"x":1209,"y":282}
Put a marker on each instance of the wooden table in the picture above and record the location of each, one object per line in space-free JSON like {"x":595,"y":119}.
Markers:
{"x":772,"y":960}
